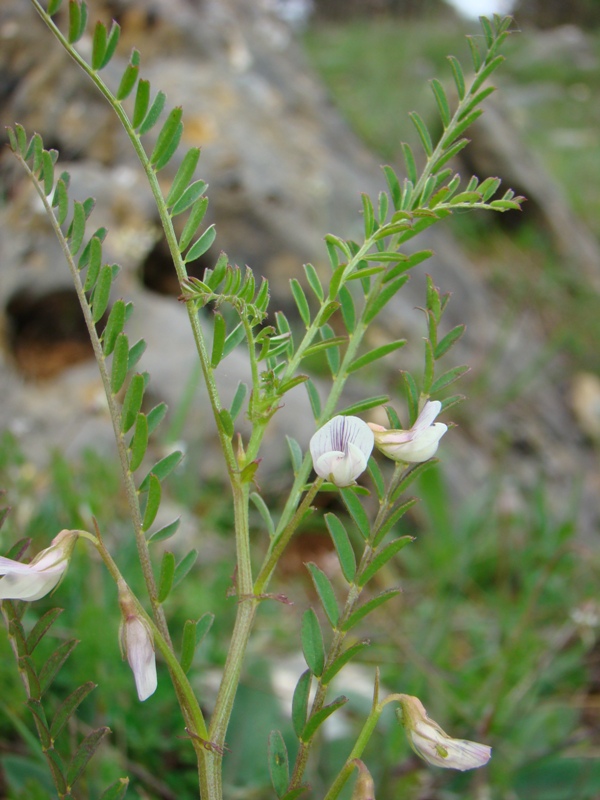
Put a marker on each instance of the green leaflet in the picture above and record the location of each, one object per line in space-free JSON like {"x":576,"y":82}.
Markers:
{"x":218,"y":343}
{"x":68,"y":707}
{"x":368,"y":215}
{"x":193,"y":221}
{"x":314,"y":282}
{"x":165,"y":532}
{"x":139,"y":443}
{"x":40,"y":629}
{"x":132,"y":403}
{"x":238,"y":400}
{"x":376,"y":477}
{"x":317,"y":719}
{"x":382,"y":557}
{"x":120,"y":359}
{"x":326,"y":593}
{"x":315,"y":400}
{"x":301,"y":301}
{"x":312,"y":642}
{"x":442,"y":102}
{"x":393,"y":518}
{"x":77,"y":20}
{"x":347,"y":308}
{"x":342,"y":660}
{"x":111,"y":44}
{"x":117,"y":790}
{"x":142,"y":101}
{"x":264,"y":512}
{"x":278,"y":763}
{"x":127,"y":81}
{"x":156,"y":416}
{"x":53,"y":664}
{"x":376,"y":354}
{"x":365,"y":405}
{"x":152,"y":502}
{"x":422,"y":131}
{"x":167,"y":573}
{"x":342,"y":545}
{"x":190,"y":195}
{"x":83,"y":754}
{"x":151,"y":118}
{"x":447,"y":378}
{"x":135,"y":353}
{"x":356,"y":511}
{"x":201,"y":245}
{"x":101,"y":294}
{"x":300,"y":702}
{"x":77,"y":228}
{"x":183,"y":176}
{"x":295,"y":454}
{"x":458,"y":75}
{"x":169,"y":133}
{"x":367,"y":607}
{"x":448,"y":341}
{"x":162,"y":468}
{"x":184,"y":566}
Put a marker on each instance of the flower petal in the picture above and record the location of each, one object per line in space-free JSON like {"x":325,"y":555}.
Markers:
{"x":428,"y":414}
{"x":423,"y":446}
{"x":141,"y":658}
{"x":434,"y":745}
{"x":341,"y":448}
{"x":31,"y":585}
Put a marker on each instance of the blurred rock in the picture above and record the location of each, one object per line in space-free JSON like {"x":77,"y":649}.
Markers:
{"x":585,"y":400}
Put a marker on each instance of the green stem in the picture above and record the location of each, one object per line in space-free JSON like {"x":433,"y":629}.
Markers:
{"x":247,"y":604}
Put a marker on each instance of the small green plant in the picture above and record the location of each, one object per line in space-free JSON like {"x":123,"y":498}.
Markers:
{"x":335,"y":312}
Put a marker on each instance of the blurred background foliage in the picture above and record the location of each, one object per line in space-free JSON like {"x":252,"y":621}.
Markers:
{"x":496,"y":628}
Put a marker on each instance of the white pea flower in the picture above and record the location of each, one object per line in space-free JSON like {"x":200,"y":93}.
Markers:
{"x":341,"y":448}
{"x":137,"y":644}
{"x":433,"y":745}
{"x":416,"y":444}
{"x":34,"y":580}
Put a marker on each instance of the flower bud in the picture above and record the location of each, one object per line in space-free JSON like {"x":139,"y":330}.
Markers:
{"x":364,"y":788}
{"x":137,"y":645}
{"x":416,"y":444}
{"x":38,"y":578}
{"x":341,"y":448}
{"x":433,"y":745}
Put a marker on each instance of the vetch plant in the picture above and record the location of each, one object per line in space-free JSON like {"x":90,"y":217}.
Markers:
{"x":335,"y":311}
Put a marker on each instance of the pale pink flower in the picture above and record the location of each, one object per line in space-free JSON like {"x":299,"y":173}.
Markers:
{"x":416,"y":444}
{"x":433,"y":745}
{"x":34,"y":580}
{"x":341,"y":448}
{"x":137,"y":644}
